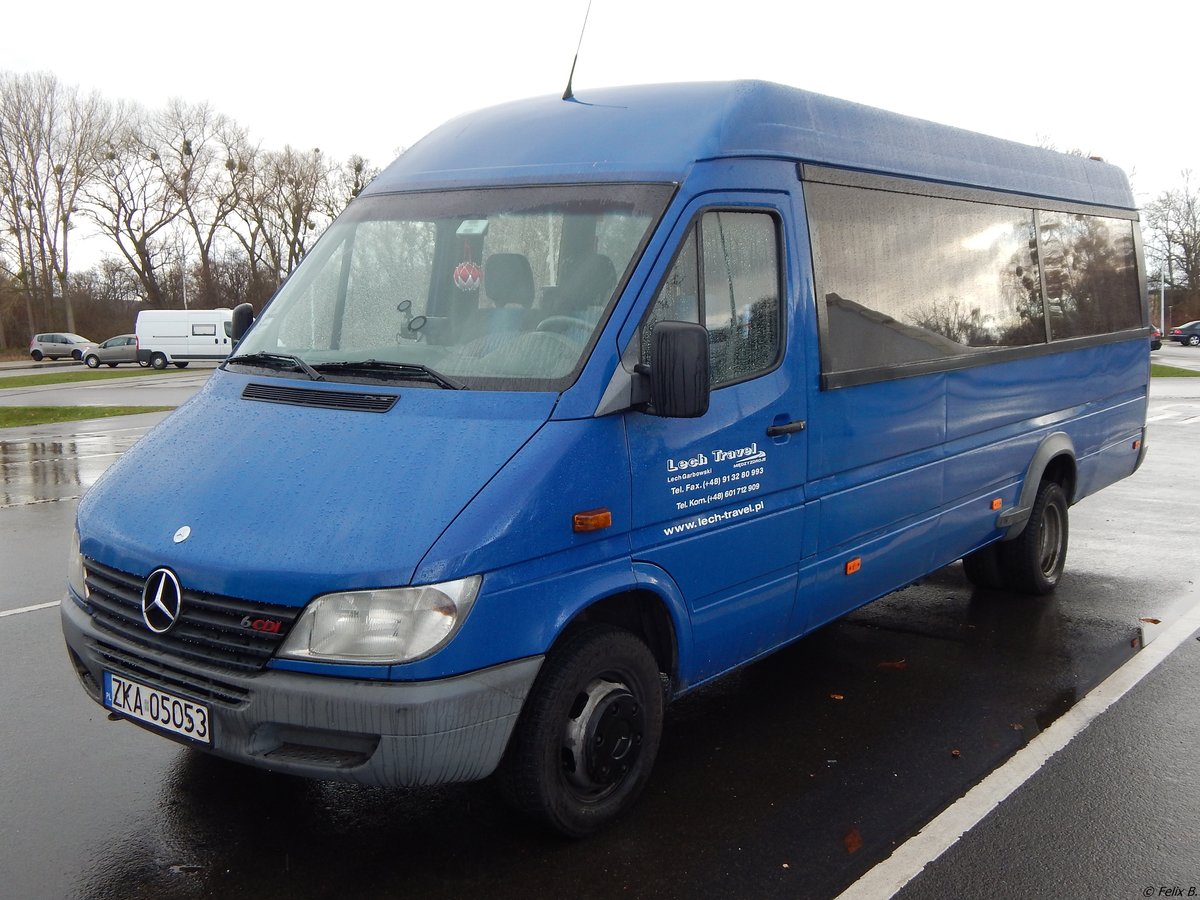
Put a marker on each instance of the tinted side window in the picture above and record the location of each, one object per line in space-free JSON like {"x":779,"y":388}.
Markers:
{"x":907,"y":278}
{"x":727,"y":277}
{"x":204,"y":330}
{"x":1091,"y":274}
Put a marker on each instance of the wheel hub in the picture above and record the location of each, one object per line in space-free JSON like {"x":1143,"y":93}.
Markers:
{"x":604,"y":739}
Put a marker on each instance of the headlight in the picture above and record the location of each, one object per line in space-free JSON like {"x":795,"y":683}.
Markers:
{"x":75,"y":574}
{"x":384,"y":626}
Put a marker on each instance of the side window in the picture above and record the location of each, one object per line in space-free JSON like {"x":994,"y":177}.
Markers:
{"x":727,"y":278}
{"x":1091,"y":274}
{"x":908,"y":278}
{"x":201,"y":330}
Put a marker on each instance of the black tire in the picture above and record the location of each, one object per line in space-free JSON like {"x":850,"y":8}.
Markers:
{"x":586,"y":739}
{"x":37,"y":355}
{"x":111,"y":365}
{"x":93,"y":362}
{"x":181,"y":365}
{"x":983,"y":568}
{"x":1194,"y":340}
{"x":1033,"y":561}
{"x":77,"y":355}
{"x":158,"y":361}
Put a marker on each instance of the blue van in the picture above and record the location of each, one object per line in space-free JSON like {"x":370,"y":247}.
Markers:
{"x":586,"y":402}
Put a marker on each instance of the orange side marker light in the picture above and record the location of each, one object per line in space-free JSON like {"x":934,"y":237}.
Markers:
{"x":592,"y":520}
{"x":854,"y":565}
{"x":997,"y":503}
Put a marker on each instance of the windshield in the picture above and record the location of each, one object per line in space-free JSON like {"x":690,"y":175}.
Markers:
{"x":495,"y":289}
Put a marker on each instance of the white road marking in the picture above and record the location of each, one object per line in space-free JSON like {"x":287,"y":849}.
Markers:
{"x":910,"y":858}
{"x":24,"y":609}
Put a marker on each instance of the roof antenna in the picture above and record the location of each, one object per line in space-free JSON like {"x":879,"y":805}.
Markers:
{"x":569,"y":93}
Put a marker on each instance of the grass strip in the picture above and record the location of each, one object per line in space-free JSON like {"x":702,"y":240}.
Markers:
{"x":16,"y":381}
{"x":1157,"y":370}
{"x":17,"y":416}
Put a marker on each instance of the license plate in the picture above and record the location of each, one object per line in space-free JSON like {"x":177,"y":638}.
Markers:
{"x":155,"y":707}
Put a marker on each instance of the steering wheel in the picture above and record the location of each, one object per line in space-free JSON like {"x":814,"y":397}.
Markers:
{"x":563,"y":323}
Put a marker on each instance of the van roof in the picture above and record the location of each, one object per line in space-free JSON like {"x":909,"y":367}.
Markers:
{"x":657,"y":132}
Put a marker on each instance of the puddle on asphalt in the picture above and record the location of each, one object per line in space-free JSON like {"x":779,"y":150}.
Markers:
{"x":46,"y":469}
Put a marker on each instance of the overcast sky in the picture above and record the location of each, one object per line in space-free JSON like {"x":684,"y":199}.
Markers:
{"x":372,"y":78}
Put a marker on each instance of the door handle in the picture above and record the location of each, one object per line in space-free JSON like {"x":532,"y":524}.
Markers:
{"x":788,"y":428}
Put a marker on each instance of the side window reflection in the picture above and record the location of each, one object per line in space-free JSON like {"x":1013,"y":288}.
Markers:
{"x":726,"y":277}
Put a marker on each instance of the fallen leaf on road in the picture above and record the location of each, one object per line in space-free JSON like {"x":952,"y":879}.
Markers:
{"x":837,"y":697}
{"x":893,"y":664}
{"x":1151,"y":621}
{"x":852,"y":841}
{"x":955,"y":753}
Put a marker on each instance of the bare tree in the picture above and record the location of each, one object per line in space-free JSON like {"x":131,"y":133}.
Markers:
{"x":1173,"y":232}
{"x":205,"y":163}
{"x":51,"y":140}
{"x":346,"y":182}
{"x":291,"y":184}
{"x":133,"y":204}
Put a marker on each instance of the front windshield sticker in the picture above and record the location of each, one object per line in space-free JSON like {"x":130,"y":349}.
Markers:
{"x":472,"y":226}
{"x":716,"y":476}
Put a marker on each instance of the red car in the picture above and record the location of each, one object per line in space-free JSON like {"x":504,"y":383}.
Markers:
{"x":1155,"y":338}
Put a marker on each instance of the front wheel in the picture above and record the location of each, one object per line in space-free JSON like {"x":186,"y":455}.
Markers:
{"x":181,"y":365}
{"x":1034,"y":560}
{"x":158,"y":361}
{"x":93,"y":362}
{"x":588,"y":734}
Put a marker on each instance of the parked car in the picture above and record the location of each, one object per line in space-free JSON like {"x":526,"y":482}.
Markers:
{"x":58,"y":345}
{"x":120,"y":349}
{"x":1155,"y":338}
{"x":1187,"y":334}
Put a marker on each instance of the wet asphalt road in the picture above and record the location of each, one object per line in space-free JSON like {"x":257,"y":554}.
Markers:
{"x":789,"y":779}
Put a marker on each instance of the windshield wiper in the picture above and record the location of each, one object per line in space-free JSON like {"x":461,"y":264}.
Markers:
{"x":415,"y":371}
{"x":279,"y":361}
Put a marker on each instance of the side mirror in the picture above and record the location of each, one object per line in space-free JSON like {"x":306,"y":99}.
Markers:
{"x":679,"y":370}
{"x":243,"y":318}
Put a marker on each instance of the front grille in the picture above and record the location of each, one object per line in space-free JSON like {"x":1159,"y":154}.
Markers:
{"x":184,"y":682}
{"x":209,"y":629}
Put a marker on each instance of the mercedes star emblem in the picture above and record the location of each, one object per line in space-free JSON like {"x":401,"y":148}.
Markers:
{"x":161,"y":600}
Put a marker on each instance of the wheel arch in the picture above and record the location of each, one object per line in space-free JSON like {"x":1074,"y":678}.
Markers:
{"x":648,"y":610}
{"x":640,"y":612}
{"x":1053,"y":460}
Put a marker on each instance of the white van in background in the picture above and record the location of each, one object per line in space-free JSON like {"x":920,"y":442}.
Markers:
{"x":177,"y":336}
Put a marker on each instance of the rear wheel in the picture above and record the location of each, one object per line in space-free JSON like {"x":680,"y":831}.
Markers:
{"x":158,"y":361}
{"x":982,"y":567}
{"x":37,"y":355}
{"x":1194,"y":340}
{"x":1033,"y":561}
{"x":587,"y":736}
{"x":93,"y":362}
{"x":77,"y":355}
{"x":181,"y":365}
{"x":111,"y":365}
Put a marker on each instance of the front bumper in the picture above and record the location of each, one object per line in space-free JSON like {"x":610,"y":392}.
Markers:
{"x":369,"y":732}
